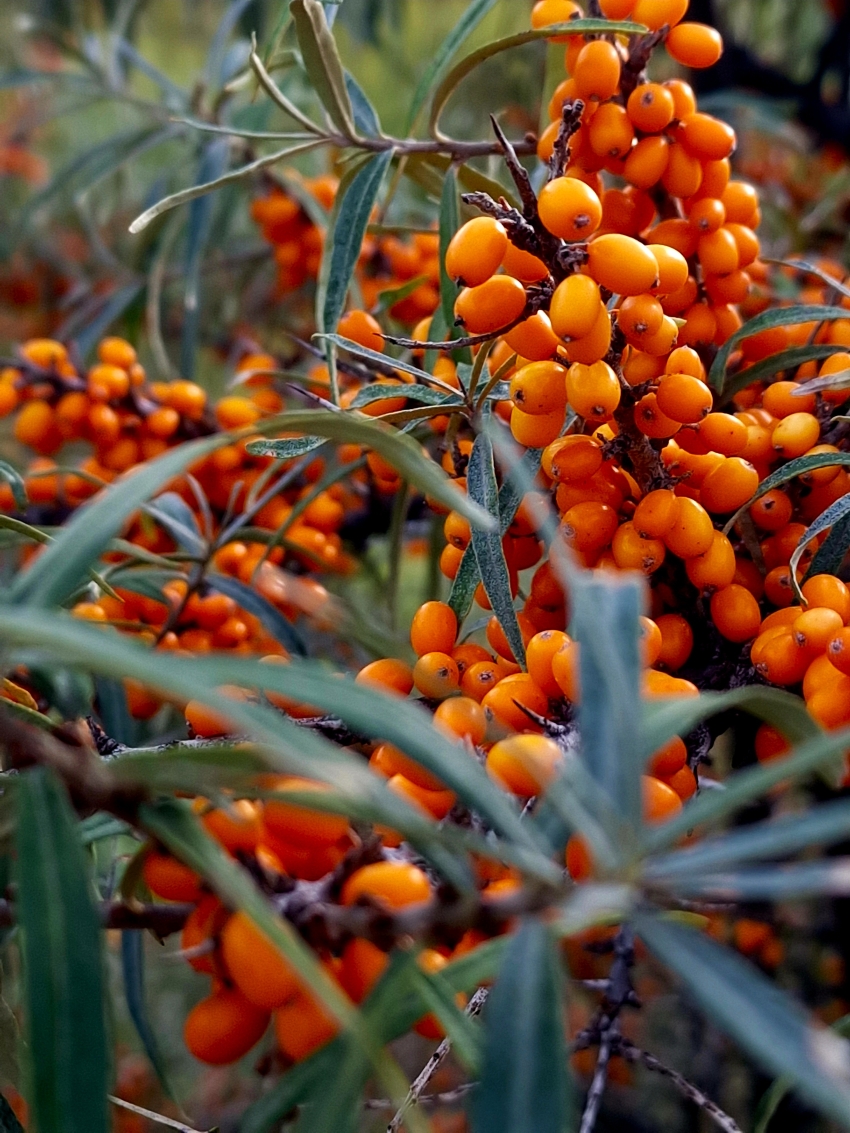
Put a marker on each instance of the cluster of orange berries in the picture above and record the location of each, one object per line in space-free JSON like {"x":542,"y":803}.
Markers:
{"x":386,"y":262}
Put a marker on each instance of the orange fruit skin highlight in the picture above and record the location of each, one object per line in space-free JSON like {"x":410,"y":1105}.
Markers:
{"x":223,"y":1027}
{"x":260,"y":971}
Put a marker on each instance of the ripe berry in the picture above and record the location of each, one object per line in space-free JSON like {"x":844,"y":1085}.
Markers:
{"x":569,"y":208}
{"x":650,"y":107}
{"x":491,"y":305}
{"x":575,"y":307}
{"x":622,"y":264}
{"x":695,"y":45}
{"x":476,"y":251}
{"x":597,"y":71}
{"x":223,"y":1027}
{"x":524,"y":764}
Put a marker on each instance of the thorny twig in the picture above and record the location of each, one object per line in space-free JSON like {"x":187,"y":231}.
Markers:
{"x":158,"y":1118}
{"x":571,"y":113}
{"x":414,"y":1095}
{"x":600,"y":1077}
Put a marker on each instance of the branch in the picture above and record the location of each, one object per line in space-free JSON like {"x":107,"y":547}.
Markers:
{"x":414,"y":1095}
{"x":631,"y":1053}
{"x":600,"y":1077}
{"x":163,"y":920}
{"x":158,"y":1118}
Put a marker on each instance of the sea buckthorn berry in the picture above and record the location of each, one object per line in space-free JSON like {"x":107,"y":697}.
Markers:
{"x":683,"y":398}
{"x":707,"y":214}
{"x":736,"y":613}
{"x":392,"y":884}
{"x":597,"y":72}
{"x":646,"y":162}
{"x":236,"y":412}
{"x":524,"y":765}
{"x":795,"y":435}
{"x":533,"y":338}
{"x":362,"y":965}
{"x":546,"y":12}
{"x":187,"y":398}
{"x":569,"y":208}
{"x":777,"y":586}
{"x":723,"y":433}
{"x":434,"y":629}
{"x":707,"y":137}
{"x":838,"y":651}
{"x":457,"y":530}
{"x":105,"y":382}
{"x":303,"y":1026}
{"x":237,"y":826}
{"x":390,"y":760}
{"x":668,"y":759}
{"x":650,"y":107}
{"x":540,"y":388}
{"x":816,"y":627}
{"x":523,"y":265}
{"x":632,"y":552}
{"x":651,"y":421}
{"x":683,"y":175}
{"x":575,"y":306}
{"x":611,"y":134}
{"x":476,"y":251}
{"x":639,"y":315}
{"x":715,"y":569}
{"x":223,"y":1027}
{"x":677,"y":641}
{"x":622,"y":264}
{"x":536,"y":430}
{"x":576,"y":457}
{"x":770,"y":744}
{"x":116,"y":352}
{"x":594,"y":346}
{"x":616,"y":9}
{"x":729,"y":485}
{"x":565,"y":670}
{"x":257,"y":967}
{"x":672,"y":269}
{"x":491,"y":305}
{"x":589,"y":526}
{"x":656,"y":513}
{"x":593,"y":391}
{"x":654,"y":14}
{"x":827,"y":590}
{"x":691,"y":532}
{"x":436,"y":675}
{"x":498,"y":640}
{"x":479,"y":678}
{"x":539,"y":653}
{"x":694,"y":45}
{"x":718,"y":252}
{"x":170,"y":879}
{"x":388,"y":674}
{"x":660,"y":802}
{"x":293,"y":822}
{"x":821,"y":475}
{"x":511,"y":696}
{"x":463,"y":717}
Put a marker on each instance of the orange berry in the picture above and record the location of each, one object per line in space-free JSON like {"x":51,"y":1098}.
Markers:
{"x":838,"y":651}
{"x":770,"y":744}
{"x":654,"y":14}
{"x":257,"y":967}
{"x":491,"y":305}
{"x":362,"y":966}
{"x":568,"y":207}
{"x":533,"y":338}
{"x":622,"y":264}
{"x":463,"y":717}
{"x":640,"y":315}
{"x":540,"y":388}
{"x":574,"y":308}
{"x":539,"y":654}
{"x":525,"y":764}
{"x":772,"y":511}
{"x":656,"y":513}
{"x":436,"y":675}
{"x":691,"y":532}
{"x":660,"y":802}
{"x":387,"y":674}
{"x":816,"y":627}
{"x":694,"y":45}
{"x":729,"y":485}
{"x":736,"y":613}
{"x":668,"y":759}
{"x":632,"y":551}
{"x":677,"y":641}
{"x":303,"y":1026}
{"x":168,"y":878}
{"x":223,"y":1027}
{"x":795,"y":435}
{"x":236,"y":412}
{"x":589,"y":526}
{"x":434,"y":628}
{"x":565,"y":670}
{"x":597,"y":72}
{"x":292,"y":822}
{"x":510,"y":696}
{"x":476,"y":251}
{"x":392,"y":884}
{"x":593,"y":391}
{"x":683,"y":398}
{"x":363,"y":328}
{"x":827,"y":590}
{"x":715,"y":568}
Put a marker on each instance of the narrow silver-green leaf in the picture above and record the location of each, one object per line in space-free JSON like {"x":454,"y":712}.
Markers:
{"x":251,"y":600}
{"x":401,"y":451}
{"x":525,"y":1086}
{"x":345,"y":238}
{"x":16,"y":482}
{"x":833,"y":515}
{"x":63,"y":966}
{"x":768,"y":320}
{"x":322,"y":62}
{"x":487,"y":545}
{"x":752,"y":1010}
{"x":788,"y":359}
{"x":449,"y":224}
{"x":788,"y":472}
{"x":833,"y":551}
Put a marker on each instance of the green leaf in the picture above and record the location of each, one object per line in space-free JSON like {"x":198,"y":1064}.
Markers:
{"x":469,"y":20}
{"x":437,"y":994}
{"x":55,"y":573}
{"x":788,"y":472}
{"x":751,"y":783}
{"x":476,"y":58}
{"x":185,"y":195}
{"x":402,"y":452}
{"x":345,"y":237}
{"x":421,"y":395}
{"x":133,"y":973}
{"x":788,"y":359}
{"x":772,"y":1097}
{"x":292,"y":1090}
{"x":449,"y":224}
{"x":301,"y":752}
{"x":322,"y":63}
{"x":173,"y":514}
{"x":834,"y":514}
{"x":768,"y":320}
{"x":63,"y":966}
{"x":833,"y":551}
{"x":16,"y":482}
{"x":337,"y":1108}
{"x":676,"y":716}
{"x":381,"y":360}
{"x":525,"y":1087}
{"x":214,"y":161}
{"x":604,"y":621}
{"x":364,"y":113}
{"x":487,"y":545}
{"x":754,"y":1012}
{"x":792,"y":882}
{"x":510,"y":497}
{"x":251,"y":600}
